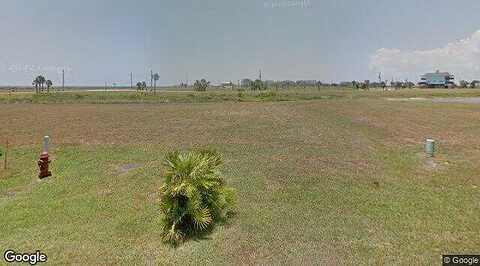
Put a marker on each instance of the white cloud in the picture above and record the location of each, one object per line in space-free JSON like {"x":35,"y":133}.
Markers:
{"x":461,"y":58}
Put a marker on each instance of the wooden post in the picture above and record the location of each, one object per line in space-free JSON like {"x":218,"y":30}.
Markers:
{"x":6,"y":154}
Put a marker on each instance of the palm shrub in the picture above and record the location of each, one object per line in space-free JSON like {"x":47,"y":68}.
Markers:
{"x":258,"y":85}
{"x":201,"y":85}
{"x":193,"y":197}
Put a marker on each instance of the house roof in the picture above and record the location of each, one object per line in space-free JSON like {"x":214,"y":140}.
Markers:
{"x":438,"y":74}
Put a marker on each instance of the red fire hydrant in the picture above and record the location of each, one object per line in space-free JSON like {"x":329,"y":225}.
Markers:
{"x":44,"y":161}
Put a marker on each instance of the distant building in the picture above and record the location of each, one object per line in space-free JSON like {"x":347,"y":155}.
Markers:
{"x":346,"y":83}
{"x":227,"y":85}
{"x":437,"y":80}
{"x":306,"y":83}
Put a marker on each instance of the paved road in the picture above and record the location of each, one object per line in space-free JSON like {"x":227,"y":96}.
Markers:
{"x":473,"y":100}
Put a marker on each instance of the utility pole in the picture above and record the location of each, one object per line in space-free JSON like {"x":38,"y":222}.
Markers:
{"x":131,"y":80}
{"x":151,"y":79}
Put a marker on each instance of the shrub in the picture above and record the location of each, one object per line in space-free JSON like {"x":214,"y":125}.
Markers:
{"x":258,"y":85}
{"x":267,"y":94}
{"x":463,"y":84}
{"x":201,"y":85}
{"x":194,"y":196}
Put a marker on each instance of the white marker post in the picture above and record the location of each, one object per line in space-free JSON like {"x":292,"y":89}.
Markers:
{"x":45,"y":143}
{"x":430,"y":148}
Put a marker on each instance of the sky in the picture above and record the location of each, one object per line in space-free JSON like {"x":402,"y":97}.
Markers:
{"x":98,"y":41}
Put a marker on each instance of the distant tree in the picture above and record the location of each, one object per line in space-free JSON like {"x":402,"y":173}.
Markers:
{"x":355,"y":84}
{"x":142,"y":86}
{"x":397,"y":85}
{"x":366,"y":85}
{"x":42,"y":81}
{"x":201,"y":85}
{"x":36,"y":84}
{"x":474,"y":84}
{"x":139,"y":86}
{"x":383,"y":84}
{"x":156,"y":77}
{"x":463,"y":84}
{"x":49,"y":85}
{"x":39,"y":82}
{"x":246,"y":82}
{"x":258,"y":85}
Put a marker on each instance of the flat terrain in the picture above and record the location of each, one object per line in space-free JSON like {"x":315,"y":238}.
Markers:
{"x":322,"y":177}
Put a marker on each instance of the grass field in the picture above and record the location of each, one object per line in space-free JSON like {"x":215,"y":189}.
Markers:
{"x":175,"y":95}
{"x":322,"y":176}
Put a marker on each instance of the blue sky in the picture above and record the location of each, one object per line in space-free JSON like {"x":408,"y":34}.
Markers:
{"x":100,"y":41}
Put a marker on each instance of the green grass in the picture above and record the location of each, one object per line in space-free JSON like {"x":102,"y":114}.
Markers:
{"x":331,"y":181}
{"x":220,"y":95}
